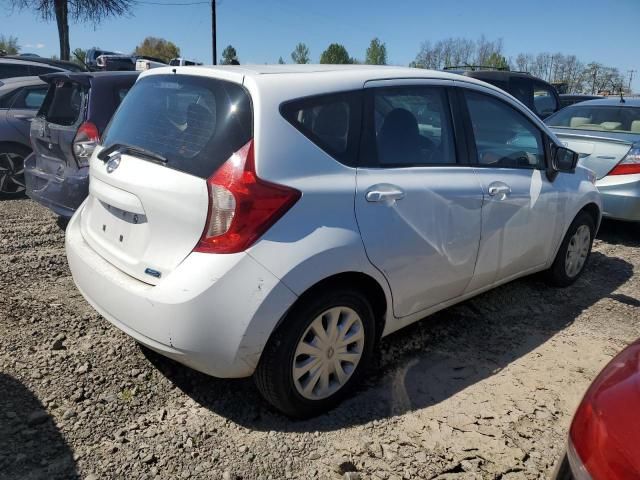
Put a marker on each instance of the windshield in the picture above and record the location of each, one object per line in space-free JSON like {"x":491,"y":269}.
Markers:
{"x":196,"y":123}
{"x":602,"y":118}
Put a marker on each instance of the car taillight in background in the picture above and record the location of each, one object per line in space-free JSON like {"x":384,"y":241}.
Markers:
{"x":241,"y":205}
{"x":629,"y":164}
{"x":604,"y":438}
{"x":85,"y":142}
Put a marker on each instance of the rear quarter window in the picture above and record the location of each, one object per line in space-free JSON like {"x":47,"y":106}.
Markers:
{"x":196,"y":123}
{"x":330,"y":121}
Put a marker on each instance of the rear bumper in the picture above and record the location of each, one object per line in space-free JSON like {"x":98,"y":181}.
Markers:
{"x":55,"y":185}
{"x":213,"y":313}
{"x":620,"y":196}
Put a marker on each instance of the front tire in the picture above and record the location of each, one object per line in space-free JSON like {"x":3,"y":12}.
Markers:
{"x":574,"y":252}
{"x":12,"y":170}
{"x":318,"y":354}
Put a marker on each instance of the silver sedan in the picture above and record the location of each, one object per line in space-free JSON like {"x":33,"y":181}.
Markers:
{"x":606,"y":135}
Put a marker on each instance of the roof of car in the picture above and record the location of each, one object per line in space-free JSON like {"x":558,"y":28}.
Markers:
{"x":63,"y":64}
{"x":612,"y":101}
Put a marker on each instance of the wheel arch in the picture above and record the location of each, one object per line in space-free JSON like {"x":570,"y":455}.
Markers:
{"x":12,"y":143}
{"x":363,"y":282}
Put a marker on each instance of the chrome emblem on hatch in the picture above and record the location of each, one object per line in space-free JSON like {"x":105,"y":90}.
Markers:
{"x":113,"y":163}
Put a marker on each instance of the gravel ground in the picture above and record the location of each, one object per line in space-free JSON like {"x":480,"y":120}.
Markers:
{"x":485,"y":389}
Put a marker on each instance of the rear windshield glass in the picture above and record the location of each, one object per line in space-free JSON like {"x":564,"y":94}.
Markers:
{"x":63,"y":103}
{"x":597,"y":117}
{"x":196,"y":123}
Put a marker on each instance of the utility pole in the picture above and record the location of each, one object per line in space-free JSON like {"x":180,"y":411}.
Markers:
{"x":213,"y":31}
{"x":630,"y":72}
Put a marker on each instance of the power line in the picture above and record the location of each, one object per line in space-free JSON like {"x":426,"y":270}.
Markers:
{"x":174,"y":4}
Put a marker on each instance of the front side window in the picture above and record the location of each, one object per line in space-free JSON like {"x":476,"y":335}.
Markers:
{"x":503,"y":136}
{"x":602,"y":118}
{"x":408,"y":126}
{"x":30,"y":98}
{"x":330,"y":121}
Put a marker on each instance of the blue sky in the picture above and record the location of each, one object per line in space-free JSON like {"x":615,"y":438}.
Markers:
{"x":261,"y":31}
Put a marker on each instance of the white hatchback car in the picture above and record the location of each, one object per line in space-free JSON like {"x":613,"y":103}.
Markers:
{"x":277,"y":221}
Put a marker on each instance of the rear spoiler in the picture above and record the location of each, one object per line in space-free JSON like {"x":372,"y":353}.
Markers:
{"x":81,"y":78}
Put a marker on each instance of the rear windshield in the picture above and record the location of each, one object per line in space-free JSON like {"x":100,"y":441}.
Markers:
{"x":598,"y":117}
{"x":196,"y":123}
{"x":63,"y":103}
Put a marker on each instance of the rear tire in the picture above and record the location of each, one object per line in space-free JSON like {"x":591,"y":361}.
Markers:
{"x":12,"y":170}
{"x":318,"y":354}
{"x":574,"y":252}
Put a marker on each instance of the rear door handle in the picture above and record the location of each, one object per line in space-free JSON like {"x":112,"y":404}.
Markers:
{"x":499,"y":189}
{"x":384,"y":193}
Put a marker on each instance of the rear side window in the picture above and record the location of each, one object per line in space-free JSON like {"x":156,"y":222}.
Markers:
{"x":408,"y":126}
{"x":544,"y":100}
{"x":196,"y":123}
{"x":331,"y":121}
{"x":9,"y":70}
{"x":63,"y":103}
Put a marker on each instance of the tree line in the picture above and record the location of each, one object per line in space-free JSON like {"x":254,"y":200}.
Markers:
{"x":578,"y":76}
{"x":575,"y":74}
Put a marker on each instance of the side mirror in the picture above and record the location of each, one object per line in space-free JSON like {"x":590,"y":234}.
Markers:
{"x":564,"y":160}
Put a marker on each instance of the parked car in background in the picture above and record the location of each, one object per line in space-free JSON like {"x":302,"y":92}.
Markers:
{"x":182,"y":62}
{"x":20,"y":98}
{"x":567,"y":99}
{"x":606,"y":134}
{"x":234,"y":224}
{"x":91,"y":57}
{"x":540,"y":96}
{"x":10,"y":67}
{"x":77,"y":109}
{"x":145,"y":63}
{"x":32,"y":64}
{"x":604,"y":438}
{"x":115,"y":63}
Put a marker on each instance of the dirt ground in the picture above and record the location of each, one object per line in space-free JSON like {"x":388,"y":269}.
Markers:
{"x":485,"y":389}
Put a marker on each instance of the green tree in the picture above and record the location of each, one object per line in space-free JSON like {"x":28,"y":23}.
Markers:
{"x":336,"y":54}
{"x":376,"y":53}
{"x":9,"y":45}
{"x":300,"y":54}
{"x":79,"y":56}
{"x":229,"y":55}
{"x":157,"y":47}
{"x":62,"y":11}
{"x":496,"y":60}
{"x":281,"y":61}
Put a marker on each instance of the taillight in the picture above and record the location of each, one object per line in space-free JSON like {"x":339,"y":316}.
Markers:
{"x":85,"y":142}
{"x":241,"y":205}
{"x":629,"y":164}
{"x":604,"y":438}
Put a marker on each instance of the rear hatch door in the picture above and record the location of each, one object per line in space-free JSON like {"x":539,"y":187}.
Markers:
{"x":148,"y":197}
{"x":61,"y":114}
{"x":597,"y":153}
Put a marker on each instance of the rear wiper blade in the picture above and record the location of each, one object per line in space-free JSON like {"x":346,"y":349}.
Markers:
{"x":125,"y":148}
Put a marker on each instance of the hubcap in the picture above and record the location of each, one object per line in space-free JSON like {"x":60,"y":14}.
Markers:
{"x":328,"y":353}
{"x":11,"y":173}
{"x":577,"y":251}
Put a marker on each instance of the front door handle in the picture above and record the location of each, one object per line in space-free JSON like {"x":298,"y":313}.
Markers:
{"x":384,"y":193}
{"x":499,"y":190}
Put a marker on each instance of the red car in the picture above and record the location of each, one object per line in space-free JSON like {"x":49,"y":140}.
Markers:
{"x":604,"y":438}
